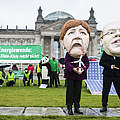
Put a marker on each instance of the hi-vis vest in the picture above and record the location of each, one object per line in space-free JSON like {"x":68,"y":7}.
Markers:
{"x":10,"y":77}
{"x":1,"y":75}
{"x":27,"y":74}
{"x":38,"y":69}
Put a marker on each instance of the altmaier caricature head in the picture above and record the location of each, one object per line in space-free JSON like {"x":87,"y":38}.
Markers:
{"x":111,"y":39}
{"x":75,"y":36}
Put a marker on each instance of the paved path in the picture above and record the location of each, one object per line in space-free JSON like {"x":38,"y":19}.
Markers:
{"x":56,"y":111}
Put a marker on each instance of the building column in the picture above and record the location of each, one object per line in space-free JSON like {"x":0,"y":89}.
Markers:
{"x":61,"y":51}
{"x":89,"y":49}
{"x":42,"y":45}
{"x":52,"y":46}
{"x":94,"y":46}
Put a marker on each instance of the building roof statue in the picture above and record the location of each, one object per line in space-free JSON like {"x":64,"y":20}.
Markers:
{"x":92,"y":18}
{"x":40,"y":17}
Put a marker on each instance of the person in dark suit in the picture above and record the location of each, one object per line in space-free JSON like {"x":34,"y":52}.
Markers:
{"x":75,"y":36}
{"x":111,"y":73}
{"x":74,"y":82}
{"x":110,"y":60}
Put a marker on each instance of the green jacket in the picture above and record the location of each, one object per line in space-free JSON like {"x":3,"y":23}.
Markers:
{"x":1,"y":77}
{"x":54,"y":65}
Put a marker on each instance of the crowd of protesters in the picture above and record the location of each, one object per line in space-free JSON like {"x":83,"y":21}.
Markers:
{"x":29,"y":72}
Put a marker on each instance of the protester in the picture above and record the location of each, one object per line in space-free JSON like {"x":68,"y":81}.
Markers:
{"x":110,"y":60}
{"x":54,"y":72}
{"x":75,"y":35}
{"x":58,"y":80}
{"x":10,"y":78}
{"x":2,"y":76}
{"x":26,"y":78}
{"x":39,"y":72}
{"x":46,"y":72}
{"x":31,"y":69}
{"x":15,"y":68}
{"x":62,"y":68}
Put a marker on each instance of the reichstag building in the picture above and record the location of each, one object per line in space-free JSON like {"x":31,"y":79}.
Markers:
{"x":46,"y":33}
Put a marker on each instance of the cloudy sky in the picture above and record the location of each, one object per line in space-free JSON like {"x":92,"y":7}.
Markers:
{"x":24,"y":12}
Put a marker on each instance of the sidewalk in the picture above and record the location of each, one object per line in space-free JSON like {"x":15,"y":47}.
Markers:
{"x":44,"y":111}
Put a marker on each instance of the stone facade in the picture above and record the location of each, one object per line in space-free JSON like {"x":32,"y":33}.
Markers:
{"x":47,"y":33}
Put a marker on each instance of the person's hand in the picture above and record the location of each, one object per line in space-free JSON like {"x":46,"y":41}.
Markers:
{"x":77,"y":70}
{"x":114,"y":67}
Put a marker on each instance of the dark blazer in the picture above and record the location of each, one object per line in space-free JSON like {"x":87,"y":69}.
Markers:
{"x":106,"y":61}
{"x":69,"y":73}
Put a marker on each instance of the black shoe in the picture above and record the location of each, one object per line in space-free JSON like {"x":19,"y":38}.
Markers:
{"x":76,"y":110}
{"x":69,"y":108}
{"x":70,"y":112}
{"x":103,"y":109}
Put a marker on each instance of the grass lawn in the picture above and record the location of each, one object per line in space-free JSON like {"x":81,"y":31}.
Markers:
{"x":20,"y":96}
{"x":53,"y":97}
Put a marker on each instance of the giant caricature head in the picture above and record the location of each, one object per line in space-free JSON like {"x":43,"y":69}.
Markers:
{"x":110,"y":39}
{"x":75,"y":36}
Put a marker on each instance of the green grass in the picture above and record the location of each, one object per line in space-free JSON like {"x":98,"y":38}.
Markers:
{"x":33,"y":96}
{"x":57,"y":118}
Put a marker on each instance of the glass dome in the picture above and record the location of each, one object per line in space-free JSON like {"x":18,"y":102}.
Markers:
{"x":57,"y":15}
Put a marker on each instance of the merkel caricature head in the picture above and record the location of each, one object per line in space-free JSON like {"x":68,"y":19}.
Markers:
{"x":110,"y":39}
{"x":75,"y":36}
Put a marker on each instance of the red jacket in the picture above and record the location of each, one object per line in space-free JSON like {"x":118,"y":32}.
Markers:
{"x":31,"y":68}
